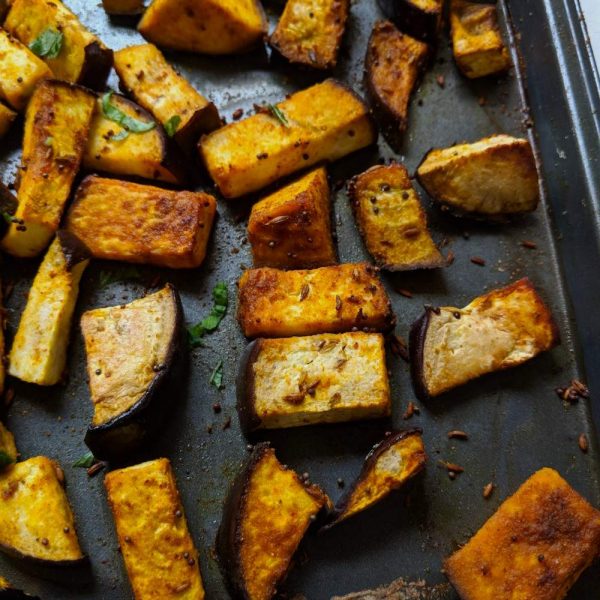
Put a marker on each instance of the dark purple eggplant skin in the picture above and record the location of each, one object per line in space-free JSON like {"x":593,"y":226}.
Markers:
{"x":96,"y":67}
{"x":116,"y":440}
{"x":74,"y":250}
{"x":370,"y":460}
{"x":249,"y":420}
{"x":416,"y":344}
{"x":229,"y":535}
{"x":8,"y":206}
{"x":420,"y":24}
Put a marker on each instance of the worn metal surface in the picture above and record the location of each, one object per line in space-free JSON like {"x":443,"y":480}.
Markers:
{"x":514,"y":419}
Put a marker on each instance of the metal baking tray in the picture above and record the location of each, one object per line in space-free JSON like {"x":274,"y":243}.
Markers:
{"x":515,"y":420}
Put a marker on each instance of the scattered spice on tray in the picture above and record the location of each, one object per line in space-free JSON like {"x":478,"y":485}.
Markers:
{"x":488,"y":490}
{"x":584,"y":445}
{"x":575,"y":390}
{"x":237,"y":114}
{"x":441,"y":81}
{"x":404,"y":293}
{"x":477,"y":260}
{"x":458,"y":434}
{"x":452,"y":467}
{"x":96,"y":468}
{"x":399,"y":348}
{"x":529,"y":244}
{"x":411,"y":410}
{"x":450,"y":258}
{"x":227,"y":423}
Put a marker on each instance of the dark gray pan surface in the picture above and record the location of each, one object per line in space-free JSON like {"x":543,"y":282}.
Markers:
{"x":515,"y":421}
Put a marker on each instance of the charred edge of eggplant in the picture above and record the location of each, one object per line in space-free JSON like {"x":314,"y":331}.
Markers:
{"x":310,"y":68}
{"x":127,"y":432}
{"x":370,"y":460}
{"x":97,"y":64}
{"x":74,"y":250}
{"x":418,"y":333}
{"x":421,"y":24}
{"x":229,"y":537}
{"x":246,"y":398}
{"x":44,"y":562}
{"x":202,"y":121}
{"x":8,"y":206}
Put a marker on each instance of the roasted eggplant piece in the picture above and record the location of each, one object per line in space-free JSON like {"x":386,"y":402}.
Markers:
{"x":158,"y":550}
{"x":502,"y":329}
{"x":36,"y":521}
{"x":274,"y":303}
{"x":393,"y":66}
{"x":119,"y":220}
{"x":322,"y":123}
{"x":132,"y":355}
{"x":327,"y":378}
{"x":388,"y":467}
{"x":8,"y":207}
{"x":20,"y":71}
{"x":494,"y":178}
{"x":148,"y":154}
{"x":123,"y":7}
{"x":76,"y":55}
{"x":154,"y":84}
{"x":421,"y":19}
{"x":205,"y":26}
{"x":56,"y":128}
{"x":476,"y":39}
{"x":391,"y":219}
{"x":266,"y":515}
{"x":310,"y":33}
{"x":291,"y":228}
{"x":534,"y":547}
{"x":39,"y":351}
{"x":8,"y":448}
{"x":7,"y":117}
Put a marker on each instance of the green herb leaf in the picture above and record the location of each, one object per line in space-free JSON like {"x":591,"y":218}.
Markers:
{"x":48,"y":44}
{"x":85,"y":462}
{"x":211,"y":322}
{"x":7,"y":217}
{"x":115,"y":114}
{"x":5,"y":459}
{"x":216,"y":378}
{"x":276,"y":112}
{"x":172,"y":124}
{"x":128,"y":273}
{"x":122,"y":135}
{"x":48,"y":141}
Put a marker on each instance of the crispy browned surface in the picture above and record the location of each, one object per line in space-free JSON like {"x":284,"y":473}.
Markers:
{"x":158,"y":550}
{"x":56,"y":129}
{"x":145,"y":74}
{"x":401,"y":589}
{"x":83,"y":58}
{"x":394,"y":64}
{"x":291,"y":228}
{"x":324,"y":123}
{"x":491,"y":178}
{"x":421,"y":19}
{"x":35,"y":517}
{"x":205,"y":26}
{"x":498,"y":330}
{"x":119,"y":220}
{"x":276,"y":303}
{"x":123,"y":7}
{"x":149,"y":155}
{"x":476,"y":39}
{"x":391,"y":219}
{"x":20,"y":71}
{"x":310,"y":32}
{"x":533,"y":548}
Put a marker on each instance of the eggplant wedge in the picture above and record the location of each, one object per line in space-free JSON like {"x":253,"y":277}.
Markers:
{"x":8,"y":448}
{"x":153,"y":83}
{"x":20,"y":71}
{"x":388,"y":467}
{"x":310,"y":33}
{"x":123,"y":7}
{"x":477,"y":43}
{"x":39,"y":350}
{"x":267,"y":513}
{"x":119,"y":220}
{"x":499,"y":330}
{"x":328,"y":378}
{"x":205,"y":26}
{"x":536,"y":545}
{"x":7,"y":117}
{"x":8,"y":208}
{"x":391,"y":219}
{"x":393,"y":67}
{"x":36,"y":521}
{"x":421,"y":19}
{"x":8,"y":592}
{"x":147,"y":155}
{"x":57,"y":123}
{"x":320,"y":124}
{"x":291,"y":228}
{"x":274,"y":303}
{"x":77,"y":55}
{"x":133,"y":352}
{"x":494,"y":178}
{"x":158,"y":550}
